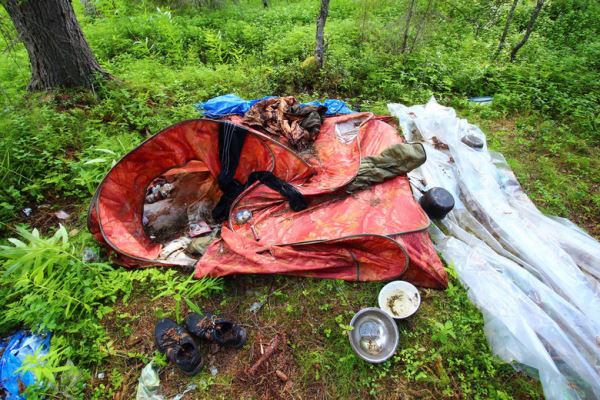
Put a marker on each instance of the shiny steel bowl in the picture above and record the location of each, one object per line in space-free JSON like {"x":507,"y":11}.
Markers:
{"x":374,"y":336}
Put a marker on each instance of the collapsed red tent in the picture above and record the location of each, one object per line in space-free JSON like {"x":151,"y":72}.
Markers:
{"x":375,"y":234}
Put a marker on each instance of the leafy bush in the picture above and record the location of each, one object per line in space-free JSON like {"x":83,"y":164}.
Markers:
{"x":46,"y":287}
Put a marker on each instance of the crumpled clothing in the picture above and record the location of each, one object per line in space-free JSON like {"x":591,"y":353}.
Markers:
{"x":175,"y":252}
{"x":395,"y":160}
{"x":284,"y":117}
{"x":311,"y":117}
{"x":231,"y":143}
{"x":198,"y":245}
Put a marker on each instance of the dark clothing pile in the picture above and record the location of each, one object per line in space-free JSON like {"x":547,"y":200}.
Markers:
{"x":283,"y":117}
{"x":231,"y":142}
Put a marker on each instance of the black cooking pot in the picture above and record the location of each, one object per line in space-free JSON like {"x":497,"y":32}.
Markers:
{"x":437,"y":202}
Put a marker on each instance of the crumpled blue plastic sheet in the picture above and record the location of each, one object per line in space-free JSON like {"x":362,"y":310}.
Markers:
{"x":230,"y":104}
{"x":19,"y":346}
{"x":334,"y":106}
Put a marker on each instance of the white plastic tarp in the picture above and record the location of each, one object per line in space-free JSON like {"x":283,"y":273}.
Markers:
{"x":534,"y":277}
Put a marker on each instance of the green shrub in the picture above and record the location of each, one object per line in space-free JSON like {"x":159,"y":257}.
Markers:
{"x":46,"y":287}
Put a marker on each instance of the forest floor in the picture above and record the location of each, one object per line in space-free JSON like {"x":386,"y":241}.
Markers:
{"x":56,"y":147}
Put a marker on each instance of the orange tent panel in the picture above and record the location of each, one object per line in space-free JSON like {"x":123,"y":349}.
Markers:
{"x":376,"y":234}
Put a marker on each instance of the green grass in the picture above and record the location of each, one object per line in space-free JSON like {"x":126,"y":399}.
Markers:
{"x":56,"y":147}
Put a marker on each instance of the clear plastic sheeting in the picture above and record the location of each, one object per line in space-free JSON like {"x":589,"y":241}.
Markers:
{"x":534,"y":278}
{"x":584,"y":249}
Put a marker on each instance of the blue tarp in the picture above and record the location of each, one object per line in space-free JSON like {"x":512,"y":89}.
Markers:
{"x":231,"y":104}
{"x":227,"y":104}
{"x":20,"y":345}
{"x":334,"y":106}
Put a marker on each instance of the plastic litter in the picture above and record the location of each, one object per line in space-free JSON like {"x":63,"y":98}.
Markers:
{"x":198,"y":245}
{"x":27,"y":211}
{"x":334,"y":106}
{"x":159,"y":192}
{"x":400,"y":299}
{"x":481,"y":99}
{"x":243,"y":216}
{"x":62,"y":214}
{"x":70,"y":381}
{"x":256,"y":306}
{"x":346,"y":132}
{"x":174,"y":251}
{"x":15,"y":349}
{"x":189,"y":388}
{"x":231,"y":104}
{"x":534,"y":278}
{"x":227,"y":104}
{"x":149,"y":384}
{"x":90,"y":255}
{"x":199,"y":228}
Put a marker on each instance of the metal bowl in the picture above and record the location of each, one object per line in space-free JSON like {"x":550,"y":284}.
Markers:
{"x":374,"y":336}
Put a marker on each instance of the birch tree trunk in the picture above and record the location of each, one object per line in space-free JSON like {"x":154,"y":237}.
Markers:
{"x":421,"y":25}
{"x":530,"y":26}
{"x":407,"y":27}
{"x":509,"y":18}
{"x":320,"y":47}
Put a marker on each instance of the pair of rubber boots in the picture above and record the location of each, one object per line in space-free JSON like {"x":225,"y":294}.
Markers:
{"x":181,"y":344}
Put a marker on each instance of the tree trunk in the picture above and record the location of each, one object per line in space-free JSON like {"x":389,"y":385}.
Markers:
{"x":407,"y":28}
{"x":509,"y":18}
{"x":58,"y":52}
{"x":364,"y":20}
{"x":421,"y":25}
{"x":320,"y":48}
{"x":530,"y":26}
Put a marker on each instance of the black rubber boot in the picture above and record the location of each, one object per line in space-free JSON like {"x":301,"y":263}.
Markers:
{"x":179,"y":346}
{"x":214,"y":329}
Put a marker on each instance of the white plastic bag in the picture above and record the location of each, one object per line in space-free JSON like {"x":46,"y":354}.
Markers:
{"x":149,"y":384}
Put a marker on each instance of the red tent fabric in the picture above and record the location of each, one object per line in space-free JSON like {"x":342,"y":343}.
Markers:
{"x":375,"y":234}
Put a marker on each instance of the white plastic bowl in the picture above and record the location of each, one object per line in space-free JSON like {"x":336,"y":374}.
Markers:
{"x":399,"y":299}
